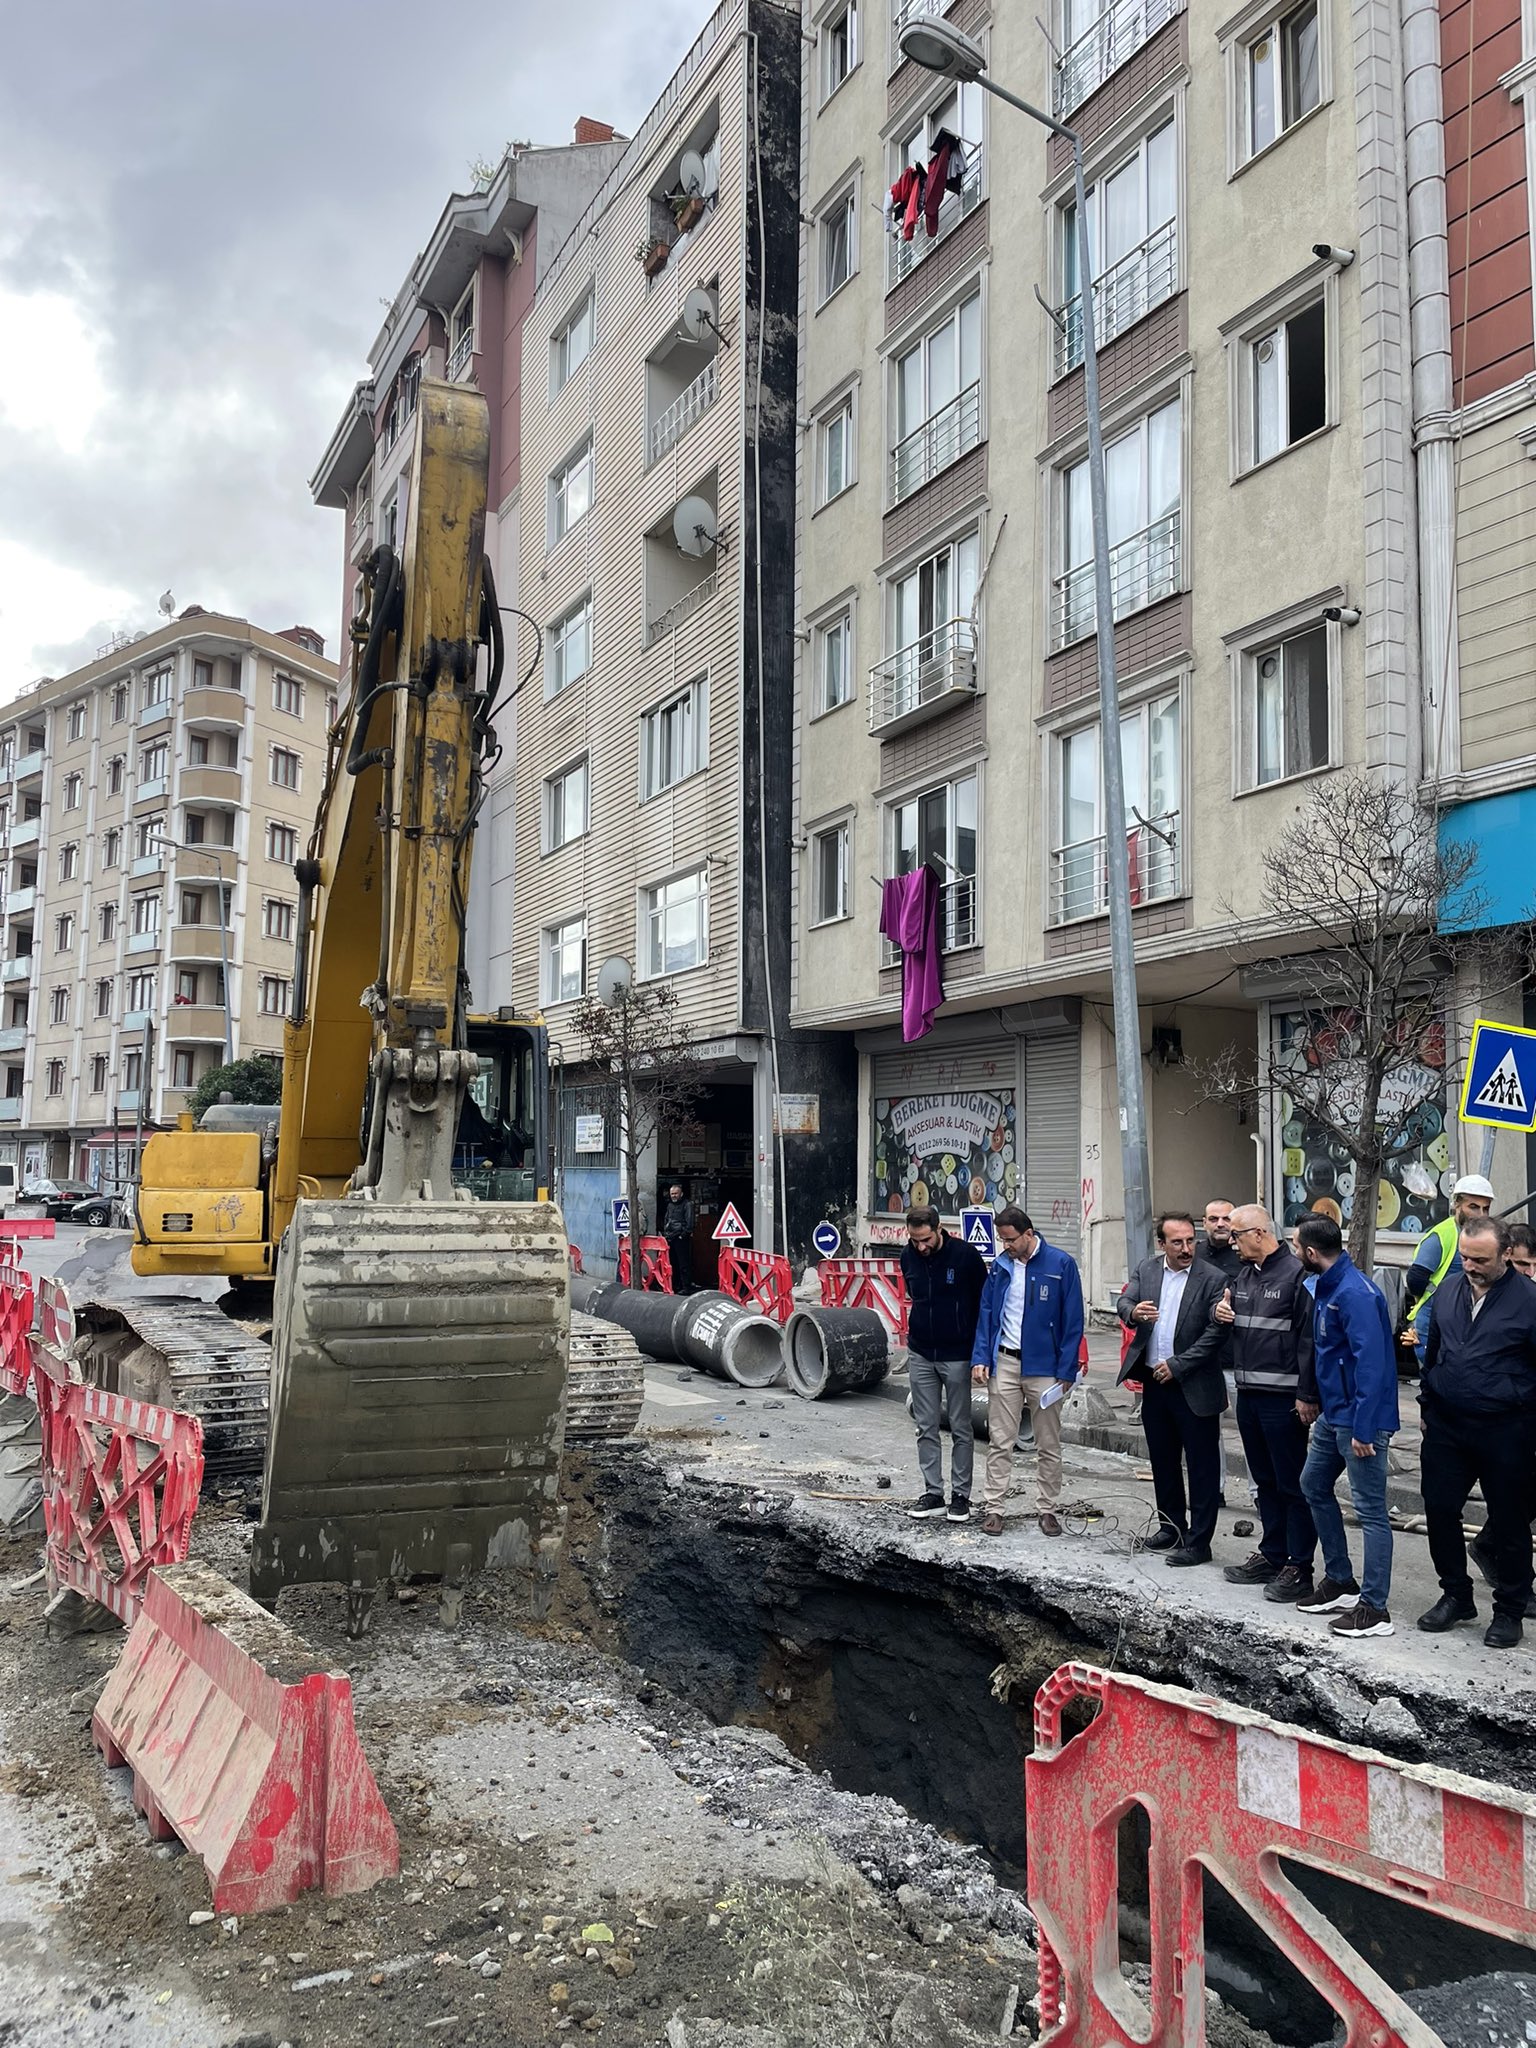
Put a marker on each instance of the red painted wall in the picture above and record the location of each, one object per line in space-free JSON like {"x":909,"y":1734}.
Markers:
{"x":1493,"y":342}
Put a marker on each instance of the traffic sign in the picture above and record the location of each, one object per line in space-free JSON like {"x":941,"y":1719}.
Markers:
{"x":827,"y":1239}
{"x":619,"y":1209}
{"x":730,"y":1226}
{"x":979,"y":1229}
{"x":1500,"y":1088}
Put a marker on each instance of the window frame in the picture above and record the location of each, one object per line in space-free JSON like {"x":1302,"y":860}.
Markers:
{"x":1245,"y":648}
{"x":266,"y":986}
{"x":75,"y":721}
{"x":1317,"y":284}
{"x":117,"y":771}
{"x":1151,"y":405}
{"x":183,"y":1076}
{"x":844,"y":203}
{"x":154,"y":763}
{"x":459,"y":332}
{"x":133,"y":1070}
{"x":919,"y":342}
{"x":112,"y":847}
{"x":557,"y":636}
{"x":54,"y":1078}
{"x":69,"y":861}
{"x":841,"y":414}
{"x":64,"y":932}
{"x":278,"y":827}
{"x":840,"y":829}
{"x":1236,"y":39}
{"x":58,"y":1005}
{"x":104,"y":996}
{"x":840,"y":624}
{"x":145,"y":904}
{"x":278,"y":926}
{"x":649,"y":910}
{"x":845,"y":17}
{"x":99,"y":1066}
{"x":695,"y":694}
{"x":554,"y":798}
{"x":283,"y":684}
{"x":106,"y":929}
{"x":1168,"y":687}
{"x":139,"y":991}
{"x":286,"y":754}
{"x":583,"y":454}
{"x":561,"y":369}
{"x":916,"y":795}
{"x":552,"y":945}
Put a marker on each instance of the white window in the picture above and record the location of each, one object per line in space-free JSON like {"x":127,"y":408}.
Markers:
{"x":570,"y":647}
{"x":461,"y":337}
{"x":839,"y":48}
{"x":834,"y":664}
{"x":1282,"y":77}
{"x":98,"y":1073}
{"x":108,"y":925}
{"x":282,"y":843}
{"x":937,"y":414}
{"x":937,"y":828}
{"x":675,"y":924}
{"x":565,"y":961}
{"x":1144,"y":472}
{"x":836,"y":462}
{"x":145,"y":913}
{"x":390,"y":519}
{"x":111,"y":848}
{"x":181,"y":1068}
{"x":115,"y":770}
{"x":573,"y":344}
{"x":953,"y":120}
{"x":197,"y":750}
{"x":829,"y":874}
{"x":64,"y":932}
{"x":288,"y":695}
{"x":157,"y":687}
{"x":565,"y":806}
{"x":276,"y":918}
{"x":186,"y":985}
{"x":274,"y":990}
{"x":119,"y":703}
{"x":141,"y":993}
{"x":839,"y":249}
{"x":1285,"y":710}
{"x":931,"y":633}
{"x":410,"y":389}
{"x":1285,"y":373}
{"x":285,"y":768}
{"x":154,"y":762}
{"x":104,"y":997}
{"x":147,"y":834}
{"x":570,"y":492}
{"x":73,"y":785}
{"x":58,"y":1006}
{"x":1152,"y":765}
{"x":194,"y":827}
{"x":69,"y":862}
{"x":55,"y":1077}
{"x":674,"y":740}
{"x":191,"y":906}
{"x":133,"y":1071}
{"x":1133,"y":239}
{"x":202,"y":671}
{"x":76,"y":723}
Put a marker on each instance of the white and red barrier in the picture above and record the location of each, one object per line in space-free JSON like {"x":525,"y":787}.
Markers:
{"x":760,"y":1280}
{"x":867,"y":1283}
{"x":16,"y":1308}
{"x":655,"y":1265}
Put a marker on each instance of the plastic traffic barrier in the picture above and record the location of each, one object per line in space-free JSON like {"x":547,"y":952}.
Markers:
{"x":27,"y":1226}
{"x":655,"y":1265}
{"x":867,"y":1283}
{"x":242,"y":1745}
{"x":1233,"y":1792}
{"x":760,"y":1280}
{"x":15,"y":1332}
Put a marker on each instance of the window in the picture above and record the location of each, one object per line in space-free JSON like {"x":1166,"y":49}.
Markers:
{"x":154,"y":762}
{"x":277,"y":918}
{"x":565,"y":806}
{"x":573,"y":344}
{"x":194,"y":827}
{"x":288,"y":695}
{"x":570,"y":492}
{"x":111,"y":848}
{"x":75,"y":723}
{"x":147,"y":835}
{"x":197,"y":750}
{"x":55,"y":1077}
{"x":829,"y":875}
{"x":570,"y":647}
{"x":938,"y":828}
{"x":834,"y":664}
{"x":133,"y":1071}
{"x":410,"y":389}
{"x":282,"y":843}
{"x":144,"y":915}
{"x":73,"y":785}
{"x":202,"y":675}
{"x":108,"y":925}
{"x":837,"y":467}
{"x":937,"y":413}
{"x":69,"y":861}
{"x":181,"y":1068}
{"x":1144,"y":483}
{"x":104,"y":997}
{"x":839,"y":48}
{"x":115,"y":768}
{"x":565,"y":961}
{"x":1287,"y":376}
{"x":157,"y":687}
{"x":1152,"y":766}
{"x":1133,"y":239}
{"x":274,"y":992}
{"x":58,"y":1006}
{"x":186,"y":985}
{"x":191,"y":906}
{"x":839,"y":254}
{"x":1285,"y":709}
{"x":141,"y":993}
{"x":461,"y":337}
{"x":931,"y":634}
{"x":64,"y":932}
{"x":954,"y":118}
{"x":98,"y":1073}
{"x":285,"y":768}
{"x":1283,"y":78}
{"x":119,"y":703}
{"x":675,"y":933}
{"x":674,"y":740}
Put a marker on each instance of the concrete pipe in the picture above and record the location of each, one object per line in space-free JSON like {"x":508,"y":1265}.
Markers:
{"x":651,"y":1319}
{"x":720,"y":1336}
{"x":835,"y":1351}
{"x":979,"y":1428}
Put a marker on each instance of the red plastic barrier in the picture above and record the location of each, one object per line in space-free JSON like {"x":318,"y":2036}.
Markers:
{"x":27,"y":1226}
{"x":120,"y":1486}
{"x":760,"y":1280}
{"x":15,"y":1331}
{"x":867,"y":1283}
{"x":575,"y":1252}
{"x":260,"y":1775}
{"x":1232,"y":1792}
{"x":655,"y":1265}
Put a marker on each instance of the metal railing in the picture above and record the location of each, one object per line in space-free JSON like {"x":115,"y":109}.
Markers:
{"x":903,"y":257}
{"x":1143,"y":569}
{"x":1105,"y":45}
{"x":463,"y":352}
{"x":903,"y":11}
{"x":957,"y":920}
{"x":669,"y":620}
{"x":1143,"y":278}
{"x":668,"y":428}
{"x":1080,"y":872}
{"x":932,"y":667}
{"x":951,"y":432}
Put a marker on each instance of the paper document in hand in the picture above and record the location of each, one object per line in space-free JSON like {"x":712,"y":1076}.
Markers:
{"x":1053,"y":1393}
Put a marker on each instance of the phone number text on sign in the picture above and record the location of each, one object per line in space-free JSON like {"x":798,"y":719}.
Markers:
{"x":948,"y":1150}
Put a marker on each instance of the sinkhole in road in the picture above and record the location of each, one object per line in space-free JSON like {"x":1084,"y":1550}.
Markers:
{"x":915,"y":1679}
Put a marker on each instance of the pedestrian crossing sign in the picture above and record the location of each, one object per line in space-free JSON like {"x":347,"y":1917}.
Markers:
{"x":979,"y":1229}
{"x":1500,"y":1088}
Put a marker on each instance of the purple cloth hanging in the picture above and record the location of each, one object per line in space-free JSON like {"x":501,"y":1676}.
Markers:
{"x":909,"y":918}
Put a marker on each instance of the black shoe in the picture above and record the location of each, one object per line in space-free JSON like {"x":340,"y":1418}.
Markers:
{"x":1189,"y":1553}
{"x":1294,"y":1583}
{"x":925,"y":1509}
{"x":1333,"y":1596}
{"x":1503,"y":1632}
{"x":1530,"y":1607}
{"x":1164,"y":1538}
{"x":1253,"y":1571}
{"x":1446,"y":1612}
{"x":959,"y":1509}
{"x":1481,"y":1553}
{"x":1364,"y":1621}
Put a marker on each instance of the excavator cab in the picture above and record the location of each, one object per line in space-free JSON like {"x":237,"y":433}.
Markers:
{"x":501,"y":1150}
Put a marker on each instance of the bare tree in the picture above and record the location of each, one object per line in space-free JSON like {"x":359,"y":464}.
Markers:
{"x":645,"y":1052}
{"x":1363,"y":874}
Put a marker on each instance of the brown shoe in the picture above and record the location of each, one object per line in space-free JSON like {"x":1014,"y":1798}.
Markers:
{"x":991,"y":1523}
{"x":1049,"y":1526}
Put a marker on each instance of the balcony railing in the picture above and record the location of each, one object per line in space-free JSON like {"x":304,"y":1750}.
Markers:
{"x":1143,"y":569}
{"x":1143,"y":278}
{"x":1080,"y":873}
{"x":903,"y":11}
{"x":29,"y":765}
{"x":903,"y":257}
{"x":918,"y":680}
{"x":957,"y":919}
{"x":10,"y":1109}
{"x":1105,"y":45}
{"x":149,"y":713}
{"x":953,"y":431}
{"x":17,"y":968}
{"x":694,"y":600}
{"x":668,"y":428}
{"x":461,"y":357}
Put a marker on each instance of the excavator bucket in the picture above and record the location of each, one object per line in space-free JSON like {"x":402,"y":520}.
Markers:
{"x":418,"y":1397}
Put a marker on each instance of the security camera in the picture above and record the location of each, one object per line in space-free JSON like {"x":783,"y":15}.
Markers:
{"x":1342,"y":614}
{"x":1326,"y":253}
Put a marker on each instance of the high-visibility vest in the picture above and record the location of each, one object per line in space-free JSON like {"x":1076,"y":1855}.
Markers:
{"x":1446,"y":1235}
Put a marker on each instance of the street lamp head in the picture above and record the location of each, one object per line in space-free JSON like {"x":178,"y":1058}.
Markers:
{"x":937,"y":46}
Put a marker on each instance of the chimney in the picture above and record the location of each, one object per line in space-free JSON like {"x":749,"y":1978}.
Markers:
{"x":588,"y":130}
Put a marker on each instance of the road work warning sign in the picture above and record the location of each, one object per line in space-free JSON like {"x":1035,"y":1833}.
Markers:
{"x":1500,"y":1088}
{"x":730,"y":1226}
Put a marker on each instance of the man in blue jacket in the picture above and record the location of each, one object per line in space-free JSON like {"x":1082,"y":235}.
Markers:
{"x":1355,"y":1367}
{"x":1028,"y":1334}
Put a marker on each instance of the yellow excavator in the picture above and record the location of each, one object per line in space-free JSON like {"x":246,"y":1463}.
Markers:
{"x":419,"y":1334}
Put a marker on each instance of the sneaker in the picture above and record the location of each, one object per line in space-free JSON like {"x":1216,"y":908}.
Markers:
{"x":1333,"y":1596}
{"x":1445,"y":1614}
{"x":1362,"y":1620}
{"x":1294,"y":1582}
{"x":925,"y":1509}
{"x":1253,"y":1571}
{"x":959,"y":1509}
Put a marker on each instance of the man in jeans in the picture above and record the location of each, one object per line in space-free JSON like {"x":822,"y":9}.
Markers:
{"x":677,"y":1229}
{"x":944,"y":1277}
{"x":1355,"y":1367}
{"x":1028,"y":1333}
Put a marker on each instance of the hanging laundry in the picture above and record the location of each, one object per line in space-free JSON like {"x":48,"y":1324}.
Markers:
{"x":946,"y":172}
{"x":909,"y":918}
{"x":906,"y":202}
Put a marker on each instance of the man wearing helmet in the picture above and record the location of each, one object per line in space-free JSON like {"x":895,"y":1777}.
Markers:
{"x":1438,"y":1258}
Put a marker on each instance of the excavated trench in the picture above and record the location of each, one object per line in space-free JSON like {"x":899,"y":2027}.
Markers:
{"x":915,"y":1678}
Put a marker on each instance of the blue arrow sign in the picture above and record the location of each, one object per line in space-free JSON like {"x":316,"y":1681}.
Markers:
{"x":827,"y":1239}
{"x":979,"y":1229}
{"x":619,"y":1208}
{"x":1500,"y":1088}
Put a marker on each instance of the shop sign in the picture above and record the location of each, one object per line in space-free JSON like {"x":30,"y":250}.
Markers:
{"x":955,"y":1150}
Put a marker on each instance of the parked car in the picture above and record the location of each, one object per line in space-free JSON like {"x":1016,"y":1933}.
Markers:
{"x":101,"y":1211}
{"x":56,"y":1198}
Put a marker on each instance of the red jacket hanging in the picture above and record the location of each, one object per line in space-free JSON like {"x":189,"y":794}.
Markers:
{"x":944,"y":148}
{"x":906,"y":201}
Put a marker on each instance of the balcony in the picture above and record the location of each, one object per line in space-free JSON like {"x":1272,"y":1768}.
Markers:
{"x":153,"y":790}
{"x":20,"y":902}
{"x":903,"y":11}
{"x":205,"y":863}
{"x":128,"y":1098}
{"x":1080,"y":873}
{"x":18,"y":968}
{"x":210,"y":785}
{"x":26,"y":832}
{"x":957,"y":919}
{"x":1143,"y":569}
{"x":920,"y":681}
{"x":10,"y":1109}
{"x":136,"y":1020}
{"x":194,"y":942}
{"x":669,"y":620}
{"x":1105,"y":45}
{"x":669,"y":426}
{"x":13,"y":1038}
{"x":213,"y":707}
{"x":1143,"y":278}
{"x":30,"y":765}
{"x":194,"y":1024}
{"x":151,"y":714}
{"x":147,"y":864}
{"x":953,"y":431}
{"x":902,"y":258}
{"x":142,"y":942}
{"x":461,"y":356}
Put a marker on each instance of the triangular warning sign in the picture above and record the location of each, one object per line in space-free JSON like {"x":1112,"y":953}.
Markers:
{"x":1503,"y":1088}
{"x":730,"y":1226}
{"x":979,"y":1233}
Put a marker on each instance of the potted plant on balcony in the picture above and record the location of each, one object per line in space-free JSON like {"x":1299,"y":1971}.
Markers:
{"x":652,"y":255}
{"x":687,"y":209}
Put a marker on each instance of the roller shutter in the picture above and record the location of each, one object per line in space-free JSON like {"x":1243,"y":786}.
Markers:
{"x":1052,"y":1150}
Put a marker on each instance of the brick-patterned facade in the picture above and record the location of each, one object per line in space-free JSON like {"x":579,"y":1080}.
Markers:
{"x":961,"y":250}
{"x":1487,"y":205}
{"x":952,"y":490}
{"x":952,"y":736}
{"x":1162,"y":59}
{"x":908,"y":80}
{"x":1154,"y":342}
{"x":1156,"y":921}
{"x":1162,"y":633}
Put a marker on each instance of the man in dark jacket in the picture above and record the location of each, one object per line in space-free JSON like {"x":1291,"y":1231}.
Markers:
{"x":677,"y":1229}
{"x":1479,"y":1404}
{"x":1270,"y":1314}
{"x":944,"y":1277}
{"x":1176,"y":1357}
{"x":1218,"y":1249}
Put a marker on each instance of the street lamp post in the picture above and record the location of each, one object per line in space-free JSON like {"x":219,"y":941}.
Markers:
{"x":213,"y":852}
{"x":937,"y":46}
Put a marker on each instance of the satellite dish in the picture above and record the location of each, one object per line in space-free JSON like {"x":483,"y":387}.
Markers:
{"x":700,"y":316}
{"x":690,"y":174}
{"x":613,"y":979}
{"x":167,"y":603}
{"x":696,"y":527}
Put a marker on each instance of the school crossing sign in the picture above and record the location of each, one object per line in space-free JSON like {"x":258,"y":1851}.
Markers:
{"x":1500,"y":1088}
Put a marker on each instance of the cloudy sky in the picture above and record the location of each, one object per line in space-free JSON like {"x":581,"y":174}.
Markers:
{"x":208,"y":205}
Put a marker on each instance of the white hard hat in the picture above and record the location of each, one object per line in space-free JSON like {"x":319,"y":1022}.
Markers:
{"x":1473,"y":1184}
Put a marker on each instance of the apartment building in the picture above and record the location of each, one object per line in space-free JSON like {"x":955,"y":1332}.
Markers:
{"x":152,"y":805}
{"x":1252,"y":312}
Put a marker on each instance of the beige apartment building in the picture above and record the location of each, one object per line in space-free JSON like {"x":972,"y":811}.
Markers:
{"x":177,"y":769}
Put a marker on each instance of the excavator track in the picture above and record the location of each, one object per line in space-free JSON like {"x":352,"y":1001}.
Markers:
{"x":184,"y":1354}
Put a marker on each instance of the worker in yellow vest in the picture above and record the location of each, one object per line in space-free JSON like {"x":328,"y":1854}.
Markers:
{"x":1437,"y":1255}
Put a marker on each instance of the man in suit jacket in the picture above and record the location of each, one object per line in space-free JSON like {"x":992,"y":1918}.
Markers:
{"x":1177,"y":1357}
